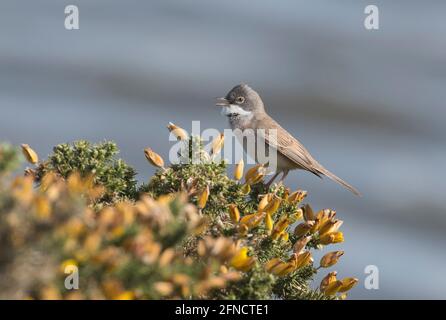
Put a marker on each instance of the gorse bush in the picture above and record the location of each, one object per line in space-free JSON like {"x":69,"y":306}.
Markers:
{"x":193,"y":231}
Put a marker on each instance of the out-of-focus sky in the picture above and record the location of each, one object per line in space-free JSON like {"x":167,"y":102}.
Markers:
{"x":368,"y":104}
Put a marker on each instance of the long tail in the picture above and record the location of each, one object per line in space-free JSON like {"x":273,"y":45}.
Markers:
{"x":339,"y":180}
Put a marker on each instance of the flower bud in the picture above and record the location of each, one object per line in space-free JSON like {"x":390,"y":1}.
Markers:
{"x":217,"y":143}
{"x":308,"y":213}
{"x":271,"y":264}
{"x":333,"y":237}
{"x":234,"y":213}
{"x":330,"y":259}
{"x":333,"y":288}
{"x":269,"y":223}
{"x":300,"y":244}
{"x":330,"y":226}
{"x":241,"y":261}
{"x":347,"y":284}
{"x":303,"y":259}
{"x":178,"y":132}
{"x":154,"y":158}
{"x":303,"y":228}
{"x":203,"y":198}
{"x":255,"y":174}
{"x":297,"y":196}
{"x":30,"y":155}
{"x":238,"y":170}
{"x":328,"y":279}
{"x":273,"y":205}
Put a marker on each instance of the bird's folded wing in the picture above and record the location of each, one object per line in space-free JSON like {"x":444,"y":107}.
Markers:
{"x":287,"y":145}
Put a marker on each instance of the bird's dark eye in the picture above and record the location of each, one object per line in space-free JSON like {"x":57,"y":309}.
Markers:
{"x":240,"y":99}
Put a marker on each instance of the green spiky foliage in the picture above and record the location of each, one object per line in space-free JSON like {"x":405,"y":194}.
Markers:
{"x":98,"y":159}
{"x":9,"y":158}
{"x":189,"y":179}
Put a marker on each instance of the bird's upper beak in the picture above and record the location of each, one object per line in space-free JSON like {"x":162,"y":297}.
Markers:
{"x":222,"y":102}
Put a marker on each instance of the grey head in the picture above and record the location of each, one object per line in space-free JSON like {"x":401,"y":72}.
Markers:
{"x":242,"y":101}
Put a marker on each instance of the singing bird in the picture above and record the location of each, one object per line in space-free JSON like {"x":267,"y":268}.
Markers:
{"x":245,"y":110}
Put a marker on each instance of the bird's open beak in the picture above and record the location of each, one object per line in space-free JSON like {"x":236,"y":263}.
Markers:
{"x":222,"y":102}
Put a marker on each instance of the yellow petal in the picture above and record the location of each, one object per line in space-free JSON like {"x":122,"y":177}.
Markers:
{"x":126,"y":295}
{"x":333,"y":237}
{"x":329,"y":226}
{"x":234,"y":213}
{"x":300,"y":244}
{"x":238,"y":170}
{"x":308,"y":213}
{"x":333,"y":288}
{"x":241,"y":261}
{"x":328,"y":279}
{"x":330,"y":259}
{"x":255,"y":174}
{"x":264,"y":202}
{"x":269,"y":223}
{"x":154,"y":158}
{"x":203,"y":198}
{"x":272,"y":263}
{"x":303,"y":259}
{"x":273,"y":205}
{"x":303,"y":228}
{"x":297,"y":196}
{"x":30,"y":155}
{"x":217,"y":144}
{"x":178,"y":132}
{"x":347,"y":284}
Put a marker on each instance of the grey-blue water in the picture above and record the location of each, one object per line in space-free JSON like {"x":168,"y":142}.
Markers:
{"x":368,"y":104}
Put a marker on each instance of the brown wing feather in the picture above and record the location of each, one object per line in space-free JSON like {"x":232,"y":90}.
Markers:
{"x":291,"y":148}
{"x":296,"y":152}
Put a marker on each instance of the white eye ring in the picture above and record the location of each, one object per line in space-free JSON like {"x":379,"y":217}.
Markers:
{"x":240,"y":99}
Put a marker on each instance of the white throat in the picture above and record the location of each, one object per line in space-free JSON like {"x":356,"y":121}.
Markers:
{"x":234,"y":109}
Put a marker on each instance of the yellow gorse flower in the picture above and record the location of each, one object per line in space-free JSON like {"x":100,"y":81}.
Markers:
{"x":30,"y":155}
{"x":255,"y":174}
{"x":234,"y":213}
{"x":333,"y":237}
{"x":330,"y":226}
{"x":269,"y":223}
{"x":273,"y":205}
{"x":238,"y":170}
{"x":178,"y":132}
{"x":241,"y":261}
{"x":252,"y":220}
{"x":330,"y":259}
{"x":280,"y":226}
{"x":297,"y":196}
{"x":327,"y":280}
{"x":303,"y":228}
{"x":154,"y":158}
{"x":217,"y":143}
{"x":203,"y":198}
{"x":333,"y":288}
{"x":347,"y":284}
{"x":302,"y":259}
{"x":264,"y":202}
{"x":300,"y":244}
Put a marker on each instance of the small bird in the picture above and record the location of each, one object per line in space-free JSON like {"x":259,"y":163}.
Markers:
{"x":245,"y":110}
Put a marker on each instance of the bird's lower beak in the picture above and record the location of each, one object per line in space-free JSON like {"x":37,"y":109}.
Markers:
{"x":222,"y":102}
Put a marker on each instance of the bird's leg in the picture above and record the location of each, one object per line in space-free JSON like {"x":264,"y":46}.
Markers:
{"x":268,"y":184}
{"x":285,"y":173}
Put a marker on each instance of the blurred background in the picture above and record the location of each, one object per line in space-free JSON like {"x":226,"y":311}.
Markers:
{"x":368,"y":104}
